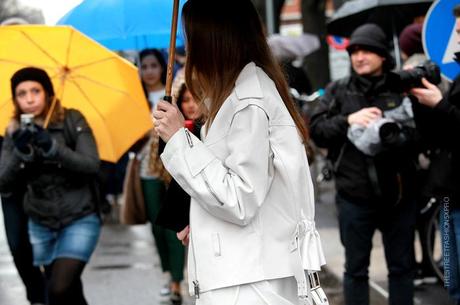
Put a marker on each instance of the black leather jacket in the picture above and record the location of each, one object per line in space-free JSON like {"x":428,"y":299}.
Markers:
{"x":387,"y":177}
{"x":59,"y":188}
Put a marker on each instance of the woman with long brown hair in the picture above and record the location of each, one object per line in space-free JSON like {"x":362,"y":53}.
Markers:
{"x":252,"y":233}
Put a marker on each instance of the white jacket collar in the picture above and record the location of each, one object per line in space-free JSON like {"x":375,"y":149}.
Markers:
{"x":247,"y":84}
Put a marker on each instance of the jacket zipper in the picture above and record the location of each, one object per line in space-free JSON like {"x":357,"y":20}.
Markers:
{"x":205,"y":178}
{"x":196,"y":284}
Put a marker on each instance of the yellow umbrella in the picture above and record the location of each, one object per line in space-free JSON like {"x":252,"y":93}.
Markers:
{"x":86,"y":76}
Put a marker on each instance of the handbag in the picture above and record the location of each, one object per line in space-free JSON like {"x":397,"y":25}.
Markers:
{"x":174,"y":213}
{"x":133,"y":211}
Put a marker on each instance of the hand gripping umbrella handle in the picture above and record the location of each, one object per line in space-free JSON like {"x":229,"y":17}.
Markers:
{"x":169,"y":71}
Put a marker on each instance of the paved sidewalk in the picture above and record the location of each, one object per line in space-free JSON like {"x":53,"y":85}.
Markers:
{"x":124,"y":270}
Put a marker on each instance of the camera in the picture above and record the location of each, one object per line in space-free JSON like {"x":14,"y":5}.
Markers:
{"x":27,"y":121}
{"x":391,"y":135}
{"x":403,"y":81}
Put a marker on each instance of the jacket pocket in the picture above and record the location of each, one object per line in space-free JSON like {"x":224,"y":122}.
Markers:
{"x":216,"y":244}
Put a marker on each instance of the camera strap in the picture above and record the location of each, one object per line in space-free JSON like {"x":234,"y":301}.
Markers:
{"x":372,"y":172}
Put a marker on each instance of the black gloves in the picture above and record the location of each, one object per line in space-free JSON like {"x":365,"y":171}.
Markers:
{"x":22,"y":139}
{"x":43,"y":139}
{"x":33,"y":139}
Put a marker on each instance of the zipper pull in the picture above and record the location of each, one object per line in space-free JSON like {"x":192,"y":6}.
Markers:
{"x":196,"y":286}
{"x":189,"y":138}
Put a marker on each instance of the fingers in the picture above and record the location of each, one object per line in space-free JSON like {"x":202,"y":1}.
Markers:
{"x":184,"y":235}
{"x":186,"y":241}
{"x":374,"y":110}
{"x":162,"y":110}
{"x":164,"y":106}
{"x":427,"y":84}
{"x":418,"y":91}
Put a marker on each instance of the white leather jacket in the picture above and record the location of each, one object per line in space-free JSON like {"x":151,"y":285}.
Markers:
{"x":252,"y":208}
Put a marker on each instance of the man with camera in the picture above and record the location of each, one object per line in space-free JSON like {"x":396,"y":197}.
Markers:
{"x":374,"y":185}
{"x":438,"y":121}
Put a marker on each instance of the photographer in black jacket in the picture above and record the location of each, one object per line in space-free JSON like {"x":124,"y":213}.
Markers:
{"x":438,"y":120}
{"x":374,"y":189}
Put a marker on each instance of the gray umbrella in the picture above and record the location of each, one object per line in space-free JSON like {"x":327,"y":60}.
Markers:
{"x":391,"y":15}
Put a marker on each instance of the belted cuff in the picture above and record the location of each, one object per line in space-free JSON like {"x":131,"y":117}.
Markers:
{"x":307,"y":241}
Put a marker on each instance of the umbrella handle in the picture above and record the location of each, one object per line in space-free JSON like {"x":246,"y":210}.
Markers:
{"x":172,"y":51}
{"x":50,"y":113}
{"x":53,"y":105}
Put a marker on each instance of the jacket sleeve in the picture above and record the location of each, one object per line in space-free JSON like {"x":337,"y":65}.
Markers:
{"x":436,"y":125}
{"x":10,"y":165}
{"x":328,"y":126}
{"x":232,"y":189}
{"x":451,"y":112}
{"x":84,"y":158}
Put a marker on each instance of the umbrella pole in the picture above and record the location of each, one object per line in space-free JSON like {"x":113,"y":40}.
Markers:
{"x":172,"y":52}
{"x":53,"y":105}
{"x":171,"y":60}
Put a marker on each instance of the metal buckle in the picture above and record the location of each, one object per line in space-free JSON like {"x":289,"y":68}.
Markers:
{"x":317,"y":293}
{"x":313,"y":278}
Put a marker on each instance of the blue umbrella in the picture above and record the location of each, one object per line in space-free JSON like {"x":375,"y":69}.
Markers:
{"x":125,"y":24}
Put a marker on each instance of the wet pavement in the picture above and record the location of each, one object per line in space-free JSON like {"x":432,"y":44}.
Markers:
{"x":125,"y":267}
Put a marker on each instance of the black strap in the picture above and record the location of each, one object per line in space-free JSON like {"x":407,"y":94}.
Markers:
{"x":70,"y":131}
{"x":372,"y":171}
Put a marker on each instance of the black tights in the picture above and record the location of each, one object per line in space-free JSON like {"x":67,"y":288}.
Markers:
{"x":64,"y":282}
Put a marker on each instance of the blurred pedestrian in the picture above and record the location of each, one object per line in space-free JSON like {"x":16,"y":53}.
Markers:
{"x":155,"y":180}
{"x":374,"y":188}
{"x":153,"y":75}
{"x":410,"y":41}
{"x":252,"y":232}
{"x":189,"y":109}
{"x":63,"y":224}
{"x":438,"y":119}
{"x":17,"y":236}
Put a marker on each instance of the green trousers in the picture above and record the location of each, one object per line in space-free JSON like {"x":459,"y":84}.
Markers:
{"x":171,"y":250}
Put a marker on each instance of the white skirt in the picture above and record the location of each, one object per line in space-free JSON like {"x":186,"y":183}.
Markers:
{"x":270,"y":292}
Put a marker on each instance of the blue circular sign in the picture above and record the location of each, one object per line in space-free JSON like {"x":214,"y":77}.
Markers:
{"x":440,"y":39}
{"x":337,"y":42}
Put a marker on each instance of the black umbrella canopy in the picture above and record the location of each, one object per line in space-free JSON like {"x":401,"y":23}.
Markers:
{"x":391,"y":15}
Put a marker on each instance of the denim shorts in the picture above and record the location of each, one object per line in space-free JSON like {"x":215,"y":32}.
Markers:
{"x":77,"y":240}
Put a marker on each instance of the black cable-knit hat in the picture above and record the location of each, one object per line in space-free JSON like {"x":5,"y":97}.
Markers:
{"x":33,"y":74}
{"x":370,"y":37}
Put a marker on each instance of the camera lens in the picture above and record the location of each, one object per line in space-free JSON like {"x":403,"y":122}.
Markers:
{"x":403,"y":81}
{"x":388,"y":132}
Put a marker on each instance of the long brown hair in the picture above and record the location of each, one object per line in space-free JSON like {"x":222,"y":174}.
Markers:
{"x":222,"y":37}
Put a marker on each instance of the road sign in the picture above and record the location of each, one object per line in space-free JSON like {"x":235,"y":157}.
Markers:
{"x":337,"y":42}
{"x":440,"y":39}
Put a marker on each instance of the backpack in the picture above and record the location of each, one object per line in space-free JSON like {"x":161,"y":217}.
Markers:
{"x":98,"y":181}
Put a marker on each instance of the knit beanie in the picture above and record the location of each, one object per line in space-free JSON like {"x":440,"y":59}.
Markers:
{"x":31,"y":74}
{"x":410,"y":39}
{"x":370,"y":37}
